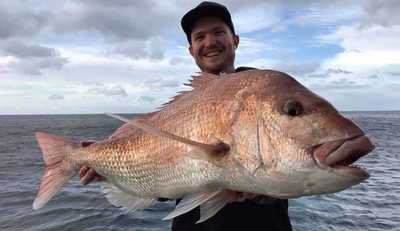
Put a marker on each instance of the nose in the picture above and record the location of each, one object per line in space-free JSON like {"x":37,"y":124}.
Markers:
{"x":210,"y":40}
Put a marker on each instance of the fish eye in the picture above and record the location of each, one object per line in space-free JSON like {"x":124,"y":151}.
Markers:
{"x":293,"y":108}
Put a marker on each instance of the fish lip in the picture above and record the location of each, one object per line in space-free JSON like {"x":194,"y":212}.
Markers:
{"x":340,"y":154}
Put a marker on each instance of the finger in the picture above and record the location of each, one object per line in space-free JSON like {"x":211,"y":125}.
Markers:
{"x":83,"y":171}
{"x":249,"y":195}
{"x":240,"y":197}
{"x":231,"y":196}
{"x":88,"y":177}
{"x":234,"y":196}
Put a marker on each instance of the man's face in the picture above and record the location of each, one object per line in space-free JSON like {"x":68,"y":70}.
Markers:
{"x":213,"y":45}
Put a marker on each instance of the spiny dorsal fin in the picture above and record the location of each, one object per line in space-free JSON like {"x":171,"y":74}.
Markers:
{"x":202,"y":80}
{"x":173,"y":99}
{"x":196,"y":82}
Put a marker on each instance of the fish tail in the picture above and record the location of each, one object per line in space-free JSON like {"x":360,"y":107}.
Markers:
{"x":57,"y":171}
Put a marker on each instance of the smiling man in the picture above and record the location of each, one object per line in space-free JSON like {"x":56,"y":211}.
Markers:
{"x":212,"y":44}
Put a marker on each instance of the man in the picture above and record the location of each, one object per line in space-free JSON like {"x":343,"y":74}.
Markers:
{"x":212,"y":44}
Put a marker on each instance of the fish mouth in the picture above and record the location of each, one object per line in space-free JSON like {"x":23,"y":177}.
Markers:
{"x":342,"y":153}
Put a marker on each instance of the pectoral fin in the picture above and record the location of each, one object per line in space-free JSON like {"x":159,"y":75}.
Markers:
{"x":212,"y":149}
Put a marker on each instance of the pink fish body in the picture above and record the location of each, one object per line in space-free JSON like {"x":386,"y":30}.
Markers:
{"x":257,"y":131}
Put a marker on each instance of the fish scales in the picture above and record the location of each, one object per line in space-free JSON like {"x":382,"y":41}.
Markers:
{"x":197,"y":123}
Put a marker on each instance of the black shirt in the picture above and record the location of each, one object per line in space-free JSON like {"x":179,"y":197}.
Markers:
{"x":247,"y":215}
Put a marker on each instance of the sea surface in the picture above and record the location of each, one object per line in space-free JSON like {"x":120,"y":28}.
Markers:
{"x":371,"y":205}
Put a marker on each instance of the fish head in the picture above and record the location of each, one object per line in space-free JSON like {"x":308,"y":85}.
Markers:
{"x":305,"y":146}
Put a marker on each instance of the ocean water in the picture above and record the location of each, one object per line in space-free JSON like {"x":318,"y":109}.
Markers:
{"x":371,"y":205}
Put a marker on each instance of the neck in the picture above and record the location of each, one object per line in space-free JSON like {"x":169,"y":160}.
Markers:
{"x":227,"y":70}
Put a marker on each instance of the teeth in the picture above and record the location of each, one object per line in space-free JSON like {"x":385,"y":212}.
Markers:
{"x":212,"y":53}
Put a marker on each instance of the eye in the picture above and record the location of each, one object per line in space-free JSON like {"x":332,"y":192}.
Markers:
{"x":219,"y":32}
{"x":199,"y":37}
{"x":293,"y":108}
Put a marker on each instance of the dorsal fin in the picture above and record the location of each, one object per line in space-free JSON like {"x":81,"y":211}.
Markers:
{"x":201,"y":81}
{"x":196,"y":82}
{"x":173,"y":99}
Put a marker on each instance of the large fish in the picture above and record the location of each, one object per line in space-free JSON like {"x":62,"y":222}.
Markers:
{"x":257,"y":131}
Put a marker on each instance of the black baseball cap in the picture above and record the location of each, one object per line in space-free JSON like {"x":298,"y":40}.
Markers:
{"x":205,"y":9}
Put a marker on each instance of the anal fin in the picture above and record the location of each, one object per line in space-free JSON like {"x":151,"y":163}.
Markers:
{"x":125,"y":201}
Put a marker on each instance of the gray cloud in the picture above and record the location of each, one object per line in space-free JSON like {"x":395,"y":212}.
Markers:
{"x":116,"y":20}
{"x":19,"y":49}
{"x":136,"y":28}
{"x":160,"y":84}
{"x":120,"y":20}
{"x":393,"y":86}
{"x":180,"y":60}
{"x":131,"y":28}
{"x":340,"y":84}
{"x":19,"y":24}
{"x":382,"y":12}
{"x":56,"y":97}
{"x":373,"y":77}
{"x":20,"y":20}
{"x":392,"y":69}
{"x":108,"y":91}
{"x":343,"y":81}
{"x":330,"y":72}
{"x":35,"y":66}
{"x":146,"y":99}
{"x":130,"y":20}
{"x":298,"y":68}
{"x":31,"y":58}
{"x":152,"y":49}
{"x":394,"y":73}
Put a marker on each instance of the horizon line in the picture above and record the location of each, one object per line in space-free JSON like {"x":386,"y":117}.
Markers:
{"x":37,"y":114}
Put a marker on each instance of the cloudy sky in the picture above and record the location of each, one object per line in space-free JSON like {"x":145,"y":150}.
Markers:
{"x":96,"y":56}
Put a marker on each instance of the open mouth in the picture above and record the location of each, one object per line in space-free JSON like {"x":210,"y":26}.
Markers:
{"x":341,"y":154}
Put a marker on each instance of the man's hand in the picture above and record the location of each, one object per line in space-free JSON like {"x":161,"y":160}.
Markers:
{"x":235,"y":196}
{"x":86,"y":174}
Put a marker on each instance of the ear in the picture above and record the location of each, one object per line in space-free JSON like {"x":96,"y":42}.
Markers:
{"x":191,"y":50}
{"x":236,"y":40}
